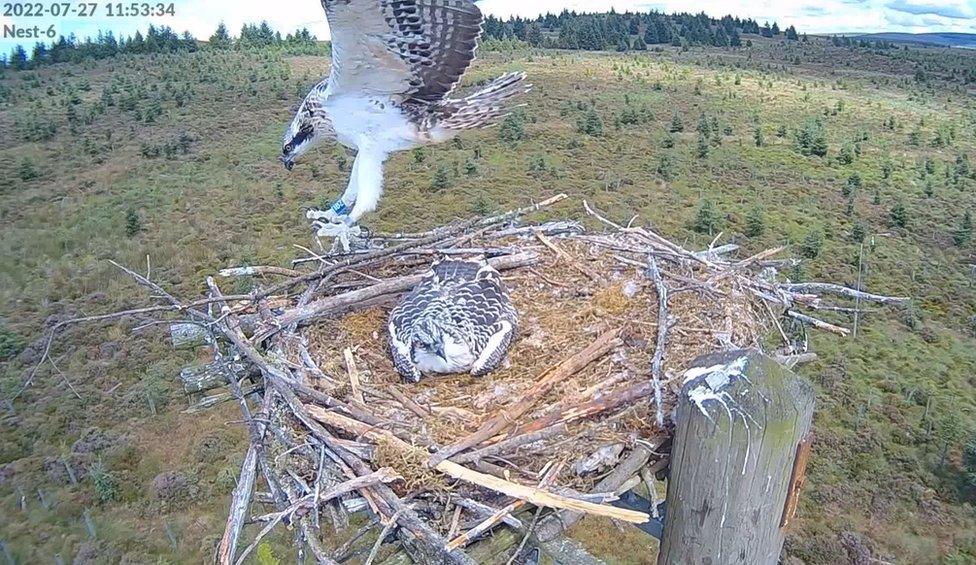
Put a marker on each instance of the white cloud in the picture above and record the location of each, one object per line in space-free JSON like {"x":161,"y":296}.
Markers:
{"x":960,"y":9}
{"x":201,"y":18}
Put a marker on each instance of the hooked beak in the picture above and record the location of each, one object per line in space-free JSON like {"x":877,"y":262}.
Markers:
{"x":288,"y":163}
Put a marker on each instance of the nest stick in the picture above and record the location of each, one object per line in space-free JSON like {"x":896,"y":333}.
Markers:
{"x":240,"y":502}
{"x":566,"y":257}
{"x":321,"y":557}
{"x":525,"y":538}
{"x":379,"y":541}
{"x":436,"y":236}
{"x":507,"y":445}
{"x":490,"y":220}
{"x":605,"y":403}
{"x":383,"y":498}
{"x":381,"y":476}
{"x":259,"y":270}
{"x":347,"y":300}
{"x":489,"y":523}
{"x":484,"y":511}
{"x":819,"y":324}
{"x":838,"y":290}
{"x":603,"y":345}
{"x":493,"y":520}
{"x":529,"y":494}
{"x":455,"y":520}
{"x":353,"y":372}
{"x":662,"y":337}
{"x":408,"y":402}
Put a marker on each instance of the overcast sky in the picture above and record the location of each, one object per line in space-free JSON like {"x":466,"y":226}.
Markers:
{"x":814,"y":16}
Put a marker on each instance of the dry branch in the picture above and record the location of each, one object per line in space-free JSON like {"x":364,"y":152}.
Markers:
{"x":434,"y":237}
{"x":603,"y":404}
{"x":819,"y":324}
{"x":343,"y":302}
{"x":662,"y":337}
{"x":604,"y":344}
{"x":838,"y":290}
{"x":510,"y":444}
{"x":522,"y":492}
{"x":303,"y":462}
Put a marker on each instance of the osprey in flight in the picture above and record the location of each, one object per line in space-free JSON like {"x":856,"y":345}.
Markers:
{"x":395,"y":64}
{"x":460,"y":318}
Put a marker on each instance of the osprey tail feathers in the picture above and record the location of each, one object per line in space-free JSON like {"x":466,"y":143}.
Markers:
{"x":485,"y":107}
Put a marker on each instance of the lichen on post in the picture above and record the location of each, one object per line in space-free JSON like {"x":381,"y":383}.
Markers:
{"x":740,"y":417}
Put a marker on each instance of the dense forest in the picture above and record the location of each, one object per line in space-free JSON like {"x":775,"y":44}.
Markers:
{"x":626,"y":31}
{"x":568,"y":30}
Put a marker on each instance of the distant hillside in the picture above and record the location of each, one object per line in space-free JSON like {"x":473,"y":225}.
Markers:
{"x":964,"y":40}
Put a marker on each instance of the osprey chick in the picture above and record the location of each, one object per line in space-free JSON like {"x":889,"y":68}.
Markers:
{"x":460,"y":318}
{"x":394,"y":66}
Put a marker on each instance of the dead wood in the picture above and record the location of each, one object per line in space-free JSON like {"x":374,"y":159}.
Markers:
{"x":662,"y":337}
{"x":343,"y":302}
{"x":508,"y":445}
{"x":605,"y":403}
{"x":604,"y":344}
{"x":330,"y":429}
{"x":529,"y":494}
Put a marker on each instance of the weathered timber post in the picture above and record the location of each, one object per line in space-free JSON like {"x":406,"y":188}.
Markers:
{"x":740,"y":447}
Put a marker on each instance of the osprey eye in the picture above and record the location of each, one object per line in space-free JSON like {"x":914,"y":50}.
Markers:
{"x":289,"y":147}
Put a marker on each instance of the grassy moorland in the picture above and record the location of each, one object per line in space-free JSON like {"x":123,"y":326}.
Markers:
{"x":851,"y":156}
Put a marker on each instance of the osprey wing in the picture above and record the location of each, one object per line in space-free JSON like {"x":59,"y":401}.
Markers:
{"x":415,"y":48}
{"x":482,"y":303}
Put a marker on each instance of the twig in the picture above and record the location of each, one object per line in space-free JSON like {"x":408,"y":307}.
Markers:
{"x":353,"y":373}
{"x":348,"y":300}
{"x":484,"y":511}
{"x":603,"y":345}
{"x":436,"y":235}
{"x":838,"y":290}
{"x":509,"y":444}
{"x":662,"y":337}
{"x":455,"y":520}
{"x":382,"y":476}
{"x":606,"y":402}
{"x":408,"y":402}
{"x":566,"y":257}
{"x":379,"y":541}
{"x":529,"y":494}
{"x":490,"y":522}
{"x":819,"y":324}
{"x":259,"y":270}
{"x":525,"y":538}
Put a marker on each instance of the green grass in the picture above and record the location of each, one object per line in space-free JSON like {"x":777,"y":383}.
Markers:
{"x":878,"y":468}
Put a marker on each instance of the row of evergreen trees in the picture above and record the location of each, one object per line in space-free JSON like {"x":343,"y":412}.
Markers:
{"x":70,"y":49}
{"x":156,"y":40}
{"x":568,"y":30}
{"x":629,"y":30}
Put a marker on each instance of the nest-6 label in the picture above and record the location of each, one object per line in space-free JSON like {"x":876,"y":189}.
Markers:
{"x":41,"y":20}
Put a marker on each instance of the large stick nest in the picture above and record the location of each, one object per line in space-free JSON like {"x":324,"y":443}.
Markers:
{"x":565,"y":300}
{"x":610,"y":321}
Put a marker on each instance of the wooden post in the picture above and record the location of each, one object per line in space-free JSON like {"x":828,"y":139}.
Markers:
{"x":742,"y":424}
